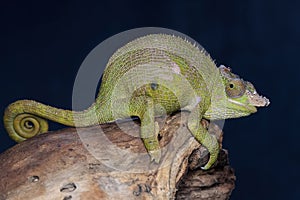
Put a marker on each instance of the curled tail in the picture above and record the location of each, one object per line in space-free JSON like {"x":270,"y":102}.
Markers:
{"x":24,"y":119}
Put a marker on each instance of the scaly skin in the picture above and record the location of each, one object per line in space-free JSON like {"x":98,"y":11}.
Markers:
{"x":152,"y":75}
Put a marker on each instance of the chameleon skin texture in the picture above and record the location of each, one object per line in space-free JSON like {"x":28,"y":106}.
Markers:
{"x":153,"y":75}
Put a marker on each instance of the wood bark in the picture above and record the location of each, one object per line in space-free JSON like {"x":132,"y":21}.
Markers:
{"x":110,"y":162}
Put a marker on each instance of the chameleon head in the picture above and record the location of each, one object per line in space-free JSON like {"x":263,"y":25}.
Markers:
{"x":234,"y":97}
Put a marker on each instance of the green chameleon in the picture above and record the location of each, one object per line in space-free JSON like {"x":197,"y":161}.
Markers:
{"x":150,"y":76}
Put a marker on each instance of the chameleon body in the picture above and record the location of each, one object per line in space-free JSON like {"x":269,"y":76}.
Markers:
{"x":152,"y":75}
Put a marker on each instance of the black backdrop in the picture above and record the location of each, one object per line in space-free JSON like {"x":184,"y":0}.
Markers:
{"x":43,"y":43}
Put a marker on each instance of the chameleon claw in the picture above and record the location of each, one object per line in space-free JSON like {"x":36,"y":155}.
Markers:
{"x":155,"y":156}
{"x":205,"y":167}
{"x":212,"y":158}
{"x":156,"y":128}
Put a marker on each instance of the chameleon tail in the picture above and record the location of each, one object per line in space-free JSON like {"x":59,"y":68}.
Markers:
{"x":24,"y":119}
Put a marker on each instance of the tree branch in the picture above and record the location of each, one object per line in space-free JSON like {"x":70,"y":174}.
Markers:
{"x":110,"y":162}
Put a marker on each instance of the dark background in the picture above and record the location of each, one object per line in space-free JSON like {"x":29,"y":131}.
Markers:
{"x":43,"y":43}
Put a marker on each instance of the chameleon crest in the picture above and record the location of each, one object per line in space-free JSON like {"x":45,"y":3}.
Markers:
{"x":153,"y":75}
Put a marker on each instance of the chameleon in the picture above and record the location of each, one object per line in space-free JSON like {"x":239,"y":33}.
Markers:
{"x":151,"y":75}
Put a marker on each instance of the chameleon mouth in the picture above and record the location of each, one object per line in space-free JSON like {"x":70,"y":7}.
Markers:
{"x":257,"y":100}
{"x":253,"y":100}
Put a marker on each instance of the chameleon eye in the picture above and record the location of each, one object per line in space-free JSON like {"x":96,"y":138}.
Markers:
{"x":235,"y":88}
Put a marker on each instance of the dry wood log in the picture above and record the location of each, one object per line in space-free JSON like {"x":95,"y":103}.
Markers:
{"x":110,"y":162}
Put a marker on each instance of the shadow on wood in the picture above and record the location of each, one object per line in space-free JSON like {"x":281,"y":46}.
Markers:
{"x":110,"y":162}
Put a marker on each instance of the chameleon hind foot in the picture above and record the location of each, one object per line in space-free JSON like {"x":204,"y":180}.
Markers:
{"x":155,"y":156}
{"x":153,"y":150}
{"x":152,"y":144}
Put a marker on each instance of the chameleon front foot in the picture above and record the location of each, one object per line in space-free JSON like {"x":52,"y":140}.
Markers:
{"x":212,"y":159}
{"x":212,"y":145}
{"x":201,"y":134}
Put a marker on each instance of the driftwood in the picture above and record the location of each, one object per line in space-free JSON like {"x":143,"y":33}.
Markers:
{"x":110,"y":162}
